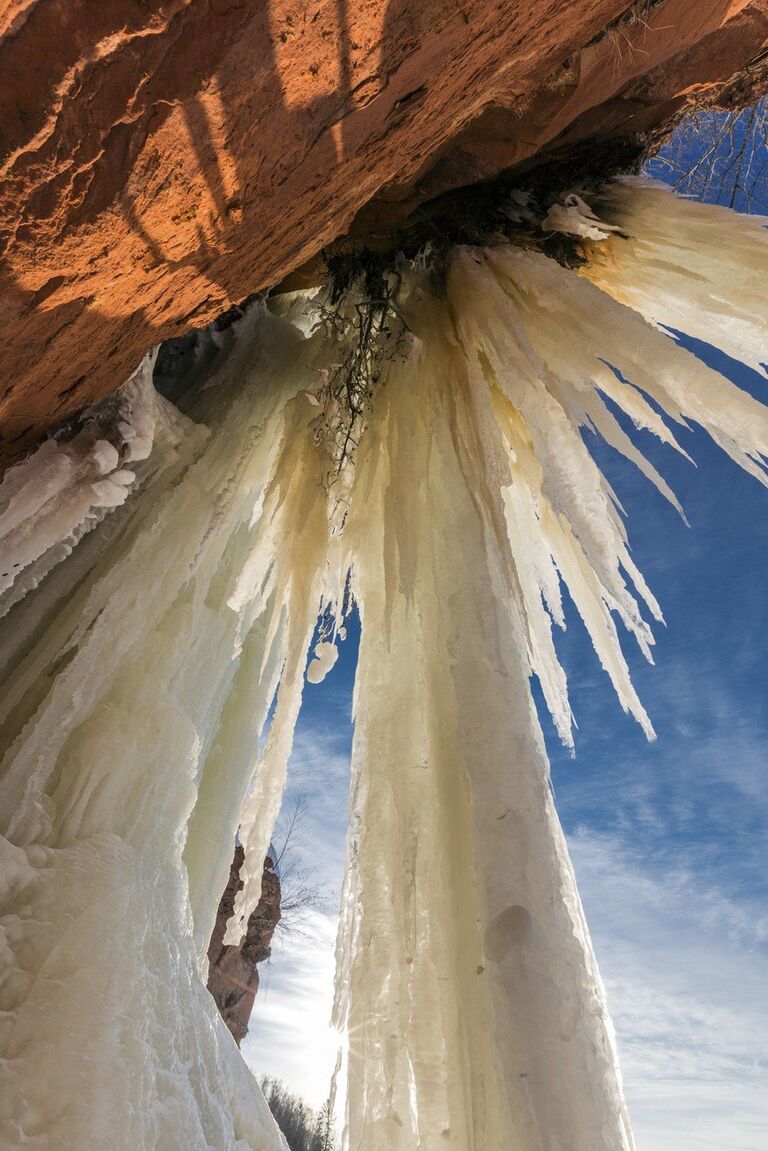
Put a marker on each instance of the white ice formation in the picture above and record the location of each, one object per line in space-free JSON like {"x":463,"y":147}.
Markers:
{"x":60,"y":492}
{"x":574,"y":217}
{"x":138,"y":675}
{"x":669,"y":269}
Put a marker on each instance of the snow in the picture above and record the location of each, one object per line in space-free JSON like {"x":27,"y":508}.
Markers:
{"x":140,"y":667}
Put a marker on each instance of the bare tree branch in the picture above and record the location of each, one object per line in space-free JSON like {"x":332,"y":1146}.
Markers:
{"x":719,"y":157}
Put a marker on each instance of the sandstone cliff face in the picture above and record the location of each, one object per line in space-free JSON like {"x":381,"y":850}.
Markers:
{"x":162,"y":159}
{"x":233,"y":974}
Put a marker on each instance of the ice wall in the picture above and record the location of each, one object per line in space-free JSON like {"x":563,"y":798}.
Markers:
{"x":139,"y":669}
{"x":131,"y":712}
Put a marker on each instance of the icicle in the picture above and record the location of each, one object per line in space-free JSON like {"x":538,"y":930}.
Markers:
{"x":467,"y":983}
{"x":697,"y":268}
{"x":466,"y":979}
{"x":289,"y":553}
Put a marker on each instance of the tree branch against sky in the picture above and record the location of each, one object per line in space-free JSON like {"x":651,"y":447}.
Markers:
{"x":720,"y":157}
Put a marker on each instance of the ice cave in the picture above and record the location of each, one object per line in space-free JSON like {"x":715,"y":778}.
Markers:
{"x":405,"y":433}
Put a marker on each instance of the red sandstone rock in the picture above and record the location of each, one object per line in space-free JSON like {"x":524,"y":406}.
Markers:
{"x":233,"y":974}
{"x":163,"y":158}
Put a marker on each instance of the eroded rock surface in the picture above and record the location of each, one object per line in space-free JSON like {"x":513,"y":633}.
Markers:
{"x":233,"y":973}
{"x":165,"y":158}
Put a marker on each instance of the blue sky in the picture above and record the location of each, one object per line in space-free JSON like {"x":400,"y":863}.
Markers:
{"x":668,"y":839}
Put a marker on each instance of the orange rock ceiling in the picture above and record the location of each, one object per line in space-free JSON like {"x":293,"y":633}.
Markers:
{"x":162,"y":159}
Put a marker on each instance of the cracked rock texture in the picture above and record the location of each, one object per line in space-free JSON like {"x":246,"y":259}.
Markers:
{"x":162,"y":159}
{"x":233,"y":973}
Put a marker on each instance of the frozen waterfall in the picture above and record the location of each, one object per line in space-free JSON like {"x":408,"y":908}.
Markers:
{"x":150,"y":623}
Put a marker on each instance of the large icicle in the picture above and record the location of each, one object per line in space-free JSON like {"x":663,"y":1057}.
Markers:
{"x":697,"y":268}
{"x":475,"y":1012}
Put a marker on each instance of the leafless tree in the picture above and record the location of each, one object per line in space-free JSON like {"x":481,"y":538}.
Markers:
{"x":720,"y":157}
{"x":303,"y":1128}
{"x":301,"y":893}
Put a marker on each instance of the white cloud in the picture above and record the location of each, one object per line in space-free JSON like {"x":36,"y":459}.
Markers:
{"x":680,"y":941}
{"x":688,"y":995}
{"x":290,"y":1036}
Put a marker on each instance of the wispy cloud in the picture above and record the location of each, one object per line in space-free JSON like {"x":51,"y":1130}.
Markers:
{"x":319,"y":774}
{"x":686,"y":974}
{"x":290,"y":1036}
{"x":668,"y":845}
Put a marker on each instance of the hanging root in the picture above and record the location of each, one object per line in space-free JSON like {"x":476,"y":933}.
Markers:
{"x":360,"y":310}
{"x":363,"y":318}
